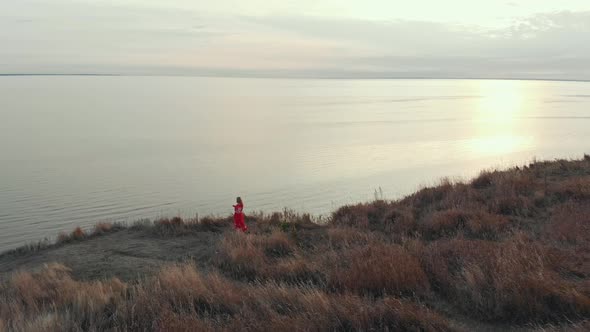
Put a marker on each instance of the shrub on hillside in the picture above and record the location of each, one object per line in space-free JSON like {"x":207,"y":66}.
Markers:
{"x":512,"y":280}
{"x":76,"y":235}
{"x":451,"y":222}
{"x":484,"y":180}
{"x":577,"y":188}
{"x":368,"y":215}
{"x":376,"y":216}
{"x":345,"y":237}
{"x":378,"y":269}
{"x":570,"y":223}
{"x":263,"y":257}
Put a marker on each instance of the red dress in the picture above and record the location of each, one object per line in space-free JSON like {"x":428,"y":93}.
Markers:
{"x":239,"y":222}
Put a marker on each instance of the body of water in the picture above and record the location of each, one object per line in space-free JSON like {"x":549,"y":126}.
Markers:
{"x":78,"y":150}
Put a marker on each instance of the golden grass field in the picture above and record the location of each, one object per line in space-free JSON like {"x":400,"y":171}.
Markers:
{"x":508,"y":250}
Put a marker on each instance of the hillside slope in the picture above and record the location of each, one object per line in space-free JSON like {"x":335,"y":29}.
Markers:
{"x":508,"y":250}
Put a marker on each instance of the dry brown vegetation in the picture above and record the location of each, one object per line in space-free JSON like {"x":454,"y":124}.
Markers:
{"x":507,"y":249}
{"x":79,"y":234}
{"x":180,"y":298}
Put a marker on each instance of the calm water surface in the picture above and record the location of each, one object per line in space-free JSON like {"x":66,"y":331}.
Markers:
{"x":78,"y":150}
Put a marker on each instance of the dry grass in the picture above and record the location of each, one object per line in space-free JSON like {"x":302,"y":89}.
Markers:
{"x":577,"y":188}
{"x":514,"y":280}
{"x":50,"y":299}
{"x":570,"y":222}
{"x":273,"y":256}
{"x":347,"y":237}
{"x":379,"y":269}
{"x":76,"y":235}
{"x":180,"y":298}
{"x":102,"y":227}
{"x":451,"y":222}
{"x":178,"y":226}
{"x":508,"y":247}
{"x":278,"y":244}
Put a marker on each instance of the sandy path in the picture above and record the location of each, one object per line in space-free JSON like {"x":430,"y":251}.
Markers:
{"x":126,"y":254}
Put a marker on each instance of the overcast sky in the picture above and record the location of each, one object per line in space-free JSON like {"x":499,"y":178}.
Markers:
{"x":303,"y":38}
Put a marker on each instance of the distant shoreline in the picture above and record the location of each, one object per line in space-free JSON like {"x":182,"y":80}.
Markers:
{"x":33,"y":74}
{"x":307,"y":77}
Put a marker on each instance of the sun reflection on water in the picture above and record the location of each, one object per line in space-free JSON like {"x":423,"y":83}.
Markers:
{"x":501,"y":102}
{"x":498,"y":119}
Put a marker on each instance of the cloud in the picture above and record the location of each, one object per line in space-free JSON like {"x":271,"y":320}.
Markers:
{"x":83,"y":37}
{"x":540,"y":46}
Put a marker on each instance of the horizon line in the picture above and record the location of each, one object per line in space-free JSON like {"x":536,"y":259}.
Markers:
{"x":327,"y":77}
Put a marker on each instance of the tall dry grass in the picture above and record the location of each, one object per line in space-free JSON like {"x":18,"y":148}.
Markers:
{"x":514,"y":280}
{"x":51,"y":300}
{"x":506,"y":248}
{"x":570,"y":222}
{"x":273,"y":256}
{"x":378,"y":269}
{"x":180,"y":298}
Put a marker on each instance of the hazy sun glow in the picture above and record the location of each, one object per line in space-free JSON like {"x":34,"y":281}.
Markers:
{"x":497,"y":119}
{"x":501,"y":102}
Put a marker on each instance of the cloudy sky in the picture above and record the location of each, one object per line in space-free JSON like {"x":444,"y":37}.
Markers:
{"x":301,"y":38}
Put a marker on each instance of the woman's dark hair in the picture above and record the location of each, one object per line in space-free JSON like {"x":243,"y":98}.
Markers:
{"x":239,"y":200}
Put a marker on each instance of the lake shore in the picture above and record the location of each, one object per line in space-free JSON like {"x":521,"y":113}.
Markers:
{"x":149,"y":147}
{"x":507,"y":250}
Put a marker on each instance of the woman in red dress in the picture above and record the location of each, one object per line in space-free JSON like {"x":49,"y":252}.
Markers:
{"x":239,"y":222}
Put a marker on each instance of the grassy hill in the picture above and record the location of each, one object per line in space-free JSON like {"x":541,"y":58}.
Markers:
{"x":507,"y":250}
